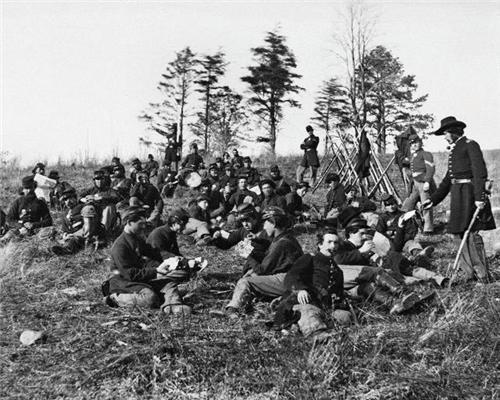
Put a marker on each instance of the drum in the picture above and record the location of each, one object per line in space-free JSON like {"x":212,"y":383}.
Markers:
{"x":193,"y":179}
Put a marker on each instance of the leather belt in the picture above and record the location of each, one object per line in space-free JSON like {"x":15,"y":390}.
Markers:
{"x":455,"y":181}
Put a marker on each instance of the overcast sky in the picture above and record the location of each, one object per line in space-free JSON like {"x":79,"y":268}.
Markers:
{"x":75,"y":75}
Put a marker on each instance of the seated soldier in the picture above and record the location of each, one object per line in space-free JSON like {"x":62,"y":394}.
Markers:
{"x":203,"y":170}
{"x":213,"y":177}
{"x":27,"y":214}
{"x":141,"y":277}
{"x":228,"y":177}
{"x":106,"y":198}
{"x":216,"y":205}
{"x":269,"y":197}
{"x":402,"y":233}
{"x":368,"y":209}
{"x":282,"y":187}
{"x":251,"y":172}
{"x":143,"y":193}
{"x":117,"y":165}
{"x":81,"y":228}
{"x":237,"y":159}
{"x":315,"y":285}
{"x":164,"y":238}
{"x":166,"y":181}
{"x":38,"y":169}
{"x":363,"y":267}
{"x":294,"y":204}
{"x":226,"y":159}
{"x":226,"y":192}
{"x":199,"y":220}
{"x":135,"y":168}
{"x":219,"y":162}
{"x":251,"y":228}
{"x":240,"y":196}
{"x":267,"y":276}
{"x":121,"y":185}
{"x":335,"y":197}
{"x":151,"y":166}
{"x":243,"y":194}
{"x":57,"y":191}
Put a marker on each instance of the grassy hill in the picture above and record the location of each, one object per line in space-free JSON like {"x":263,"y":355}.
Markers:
{"x":449,"y":350}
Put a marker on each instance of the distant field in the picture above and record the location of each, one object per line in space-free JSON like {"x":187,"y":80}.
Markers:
{"x":449,"y":350}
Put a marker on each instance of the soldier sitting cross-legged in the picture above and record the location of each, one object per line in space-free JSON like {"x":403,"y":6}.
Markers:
{"x":267,"y":276}
{"x":140,"y":275}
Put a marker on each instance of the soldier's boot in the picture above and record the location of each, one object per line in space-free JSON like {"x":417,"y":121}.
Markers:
{"x":386,"y":281}
{"x":406,"y":303}
{"x":371,"y":292}
{"x":241,"y":296}
{"x":478,"y":257}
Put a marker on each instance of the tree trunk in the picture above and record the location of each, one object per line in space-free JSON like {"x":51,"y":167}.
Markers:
{"x":206,"y":116}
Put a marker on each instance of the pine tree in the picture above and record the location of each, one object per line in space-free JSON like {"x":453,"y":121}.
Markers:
{"x":209,"y":69}
{"x":175,"y":87}
{"x":330,"y":109}
{"x":391,"y":100}
{"x":271,"y":82}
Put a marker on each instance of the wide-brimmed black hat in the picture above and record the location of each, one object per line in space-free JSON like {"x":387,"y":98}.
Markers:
{"x":447,"y":123}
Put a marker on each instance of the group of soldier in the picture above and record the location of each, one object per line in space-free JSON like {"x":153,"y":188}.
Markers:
{"x":362,"y":251}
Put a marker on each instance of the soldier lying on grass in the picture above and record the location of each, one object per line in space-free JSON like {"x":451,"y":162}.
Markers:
{"x":402,"y":229}
{"x":375,"y":277}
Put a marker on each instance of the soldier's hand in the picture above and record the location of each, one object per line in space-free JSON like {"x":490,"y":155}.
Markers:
{"x":303,"y":297}
{"x":427,"y":204}
{"x":367,"y":246}
{"x":28,"y":225}
{"x":426,"y":187}
{"x":217,"y":234}
{"x":23,"y":231}
{"x":480,"y":204}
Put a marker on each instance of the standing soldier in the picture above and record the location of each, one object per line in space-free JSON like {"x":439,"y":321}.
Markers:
{"x":466,"y":180}
{"x":310,"y":159}
{"x":171,"y":154}
{"x":422,"y":171}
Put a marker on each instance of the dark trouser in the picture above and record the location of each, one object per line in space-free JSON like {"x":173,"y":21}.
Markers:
{"x":472,"y":260}
{"x":301,"y":170}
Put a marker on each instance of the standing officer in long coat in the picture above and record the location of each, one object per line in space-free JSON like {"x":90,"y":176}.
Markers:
{"x":465,"y":180}
{"x":310,"y":158}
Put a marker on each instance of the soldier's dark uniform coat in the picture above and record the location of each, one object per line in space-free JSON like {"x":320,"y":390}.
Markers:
{"x":465,"y":162}
{"x":310,"y":158}
{"x":319,"y":275}
{"x":28,"y":208}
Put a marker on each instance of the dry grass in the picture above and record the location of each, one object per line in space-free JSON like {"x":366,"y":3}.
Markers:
{"x":448,"y":351}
